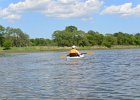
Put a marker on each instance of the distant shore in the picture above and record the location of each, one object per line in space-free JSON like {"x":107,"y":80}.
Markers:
{"x":55,"y":48}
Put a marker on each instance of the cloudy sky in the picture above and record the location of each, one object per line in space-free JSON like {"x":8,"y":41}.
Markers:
{"x":40,"y":18}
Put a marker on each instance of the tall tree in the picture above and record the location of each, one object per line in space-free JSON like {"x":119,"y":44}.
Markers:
{"x":40,"y":42}
{"x":109,"y":40}
{"x":137,"y":38}
{"x":70,"y":36}
{"x":2,"y":30}
{"x":17,"y":36}
{"x":71,"y":28}
{"x":94,"y":38}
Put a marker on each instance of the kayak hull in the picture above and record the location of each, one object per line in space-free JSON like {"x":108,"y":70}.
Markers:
{"x":75,"y":57}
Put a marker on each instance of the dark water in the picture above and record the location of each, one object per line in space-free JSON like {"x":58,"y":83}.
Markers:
{"x":105,"y":75}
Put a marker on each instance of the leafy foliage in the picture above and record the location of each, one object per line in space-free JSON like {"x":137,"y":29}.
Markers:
{"x":40,"y":42}
{"x":15,"y":35}
{"x":67,"y":37}
{"x":70,"y":36}
{"x":7,"y":44}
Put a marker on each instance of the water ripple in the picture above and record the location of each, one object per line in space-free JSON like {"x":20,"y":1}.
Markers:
{"x":106,"y":75}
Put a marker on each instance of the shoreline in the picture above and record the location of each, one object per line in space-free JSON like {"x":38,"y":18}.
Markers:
{"x":56,"y":48}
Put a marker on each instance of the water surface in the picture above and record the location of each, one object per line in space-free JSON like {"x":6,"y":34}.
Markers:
{"x":105,"y":75}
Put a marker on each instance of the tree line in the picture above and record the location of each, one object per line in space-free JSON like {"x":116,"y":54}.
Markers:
{"x":71,"y":35}
{"x":15,"y":37}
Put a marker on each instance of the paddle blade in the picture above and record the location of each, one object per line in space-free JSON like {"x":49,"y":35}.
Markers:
{"x":89,"y":52}
{"x":62,"y":57}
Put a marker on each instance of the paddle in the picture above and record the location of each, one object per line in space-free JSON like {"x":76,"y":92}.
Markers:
{"x":63,"y":56}
{"x":87,"y":53}
{"x":81,"y":53}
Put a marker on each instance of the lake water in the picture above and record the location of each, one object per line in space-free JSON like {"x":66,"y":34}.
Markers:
{"x":104,"y":75}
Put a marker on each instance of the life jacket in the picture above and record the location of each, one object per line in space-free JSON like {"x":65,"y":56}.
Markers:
{"x":73,"y":52}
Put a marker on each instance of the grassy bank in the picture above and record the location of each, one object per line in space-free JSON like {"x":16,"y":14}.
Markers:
{"x":55,"y":48}
{"x":34,"y":49}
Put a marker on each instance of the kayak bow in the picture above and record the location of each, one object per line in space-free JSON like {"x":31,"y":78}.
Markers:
{"x":75,"y":57}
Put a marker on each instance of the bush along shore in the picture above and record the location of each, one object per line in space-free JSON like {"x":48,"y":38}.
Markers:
{"x":56,"y":48}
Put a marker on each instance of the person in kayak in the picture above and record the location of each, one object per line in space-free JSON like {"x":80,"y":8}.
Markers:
{"x":73,"y":52}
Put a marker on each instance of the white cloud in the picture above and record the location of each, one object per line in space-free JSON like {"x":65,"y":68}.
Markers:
{"x":14,"y":17}
{"x":87,"y":19}
{"x":55,"y":8}
{"x":123,"y":10}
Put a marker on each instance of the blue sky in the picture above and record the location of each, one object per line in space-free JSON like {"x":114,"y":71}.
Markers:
{"x":40,"y":18}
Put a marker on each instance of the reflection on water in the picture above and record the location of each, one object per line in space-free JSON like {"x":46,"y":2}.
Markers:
{"x":105,"y":75}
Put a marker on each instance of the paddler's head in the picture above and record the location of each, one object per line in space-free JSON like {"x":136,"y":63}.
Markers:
{"x":73,"y":47}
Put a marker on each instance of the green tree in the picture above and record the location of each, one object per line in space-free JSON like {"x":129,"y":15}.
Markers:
{"x":110,"y":38}
{"x":137,"y":39}
{"x":94,"y":38}
{"x":124,"y":38}
{"x":2,"y":30}
{"x":40,"y":42}
{"x":7,"y":44}
{"x":71,"y":28}
{"x":119,"y":37}
{"x":58,"y":37}
{"x":17,"y":36}
{"x":70,"y":36}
